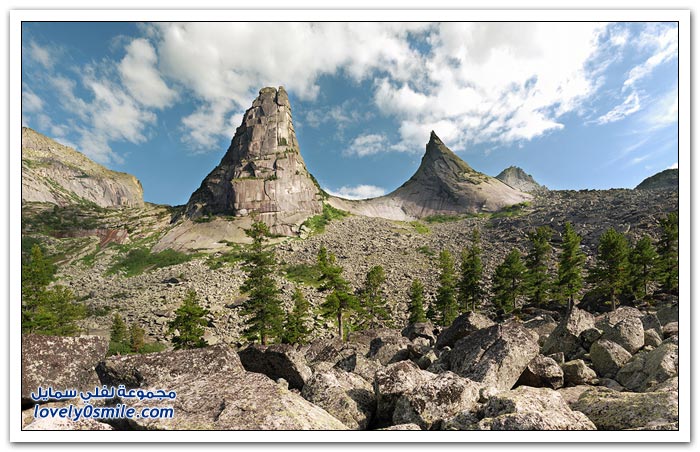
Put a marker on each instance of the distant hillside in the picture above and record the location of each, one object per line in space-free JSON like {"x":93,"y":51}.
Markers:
{"x":56,"y":174}
{"x":666,"y":179}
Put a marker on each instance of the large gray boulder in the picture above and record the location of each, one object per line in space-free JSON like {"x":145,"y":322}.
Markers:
{"x":346,"y":396}
{"x":442,"y":397}
{"x":649,"y":368}
{"x":628,"y":332}
{"x":495,"y":356}
{"x":565,"y":337}
{"x":421,"y":329}
{"x":608,"y":357}
{"x":462,"y":326}
{"x":389,"y":349}
{"x":577,"y":373}
{"x":542,"y":372}
{"x":213,"y":392}
{"x":527,"y":408}
{"x":614,"y":410}
{"x":543,"y":325}
{"x":60,"y":362}
{"x":277,"y":361}
{"x":393,"y":381}
{"x":359,"y":365}
{"x":668,"y":314}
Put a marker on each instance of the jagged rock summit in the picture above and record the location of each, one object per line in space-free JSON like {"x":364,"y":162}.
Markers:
{"x":56,"y":174}
{"x":443,"y":184}
{"x":262,"y":172}
{"x":665,"y":180}
{"x":515,"y":177}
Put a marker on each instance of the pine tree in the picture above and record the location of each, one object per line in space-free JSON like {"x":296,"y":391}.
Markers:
{"x":295,"y":329}
{"x":263,"y":308}
{"x":508,"y":282}
{"x":373,"y":303}
{"x":642,"y":263}
{"x":118,"y":343}
{"x":611,"y":272}
{"x":571,"y":260}
{"x":416,"y":295}
{"x":538,"y":280}
{"x":339,"y":303}
{"x":668,"y":253}
{"x":189,"y":322}
{"x":470,"y":286}
{"x":50,"y":311}
{"x":137,"y":338}
{"x":446,"y":302}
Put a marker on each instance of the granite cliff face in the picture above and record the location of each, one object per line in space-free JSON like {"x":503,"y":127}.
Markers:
{"x":56,"y":174}
{"x":515,"y":177}
{"x":443,"y":184}
{"x":262,"y":172}
{"x":665,"y":180}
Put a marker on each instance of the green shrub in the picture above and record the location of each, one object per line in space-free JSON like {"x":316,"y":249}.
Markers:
{"x":318,"y":223}
{"x":426,"y":250}
{"x":139,"y":260}
{"x":440,"y":218}
{"x":511,"y":211}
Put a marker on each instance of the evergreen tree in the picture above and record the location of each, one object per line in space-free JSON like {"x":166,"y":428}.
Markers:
{"x":340,"y":303}
{"x":642,"y":262}
{"x":118,"y":343}
{"x":295,"y":329}
{"x":189,"y":322}
{"x":668,"y":253}
{"x":571,"y":260}
{"x":508,"y":282}
{"x":446,"y":302}
{"x":373,"y":305}
{"x":416,"y":295}
{"x":263,"y":308}
{"x":611,"y":272}
{"x":538,"y":279}
{"x":470,"y":286}
{"x":137,"y":338}
{"x":50,"y":311}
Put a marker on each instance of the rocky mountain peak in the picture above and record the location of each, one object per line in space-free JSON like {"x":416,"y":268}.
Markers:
{"x":443,"y":184}
{"x":515,"y":177}
{"x":262,"y":172}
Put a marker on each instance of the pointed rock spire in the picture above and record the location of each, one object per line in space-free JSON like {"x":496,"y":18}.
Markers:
{"x":262,"y":173}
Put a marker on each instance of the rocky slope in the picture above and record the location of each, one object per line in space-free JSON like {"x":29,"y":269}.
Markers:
{"x":617,"y":371}
{"x":515,"y":177}
{"x":443,"y":185}
{"x":56,"y":174}
{"x":665,"y":180}
{"x":262,"y":172}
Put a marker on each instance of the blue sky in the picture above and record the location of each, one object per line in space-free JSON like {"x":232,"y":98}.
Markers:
{"x":577,"y":105}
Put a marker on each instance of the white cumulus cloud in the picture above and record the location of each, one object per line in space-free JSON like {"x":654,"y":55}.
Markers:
{"x":367,"y":144}
{"x":358,"y":192}
{"x":140,"y":76}
{"x":629,"y":106}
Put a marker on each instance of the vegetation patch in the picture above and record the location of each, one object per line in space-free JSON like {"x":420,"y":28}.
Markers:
{"x":61,"y":220}
{"x":511,"y":211}
{"x":234,"y":256}
{"x":303,"y":274}
{"x":317,"y":223}
{"x":139,"y":260}
{"x":420,"y":227}
{"x":426,"y":250}
{"x":440,"y":218}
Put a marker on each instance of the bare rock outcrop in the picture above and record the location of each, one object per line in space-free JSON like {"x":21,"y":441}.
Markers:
{"x":262,"y":171}
{"x":60,"y":362}
{"x":346,"y":396}
{"x":515,"y":177}
{"x":565,"y":337}
{"x":649,"y":368}
{"x":462,"y":326}
{"x":57,"y":174}
{"x":542,"y":372}
{"x":277,"y":361}
{"x":526,"y":408}
{"x":214,"y":392}
{"x":495,"y":356}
